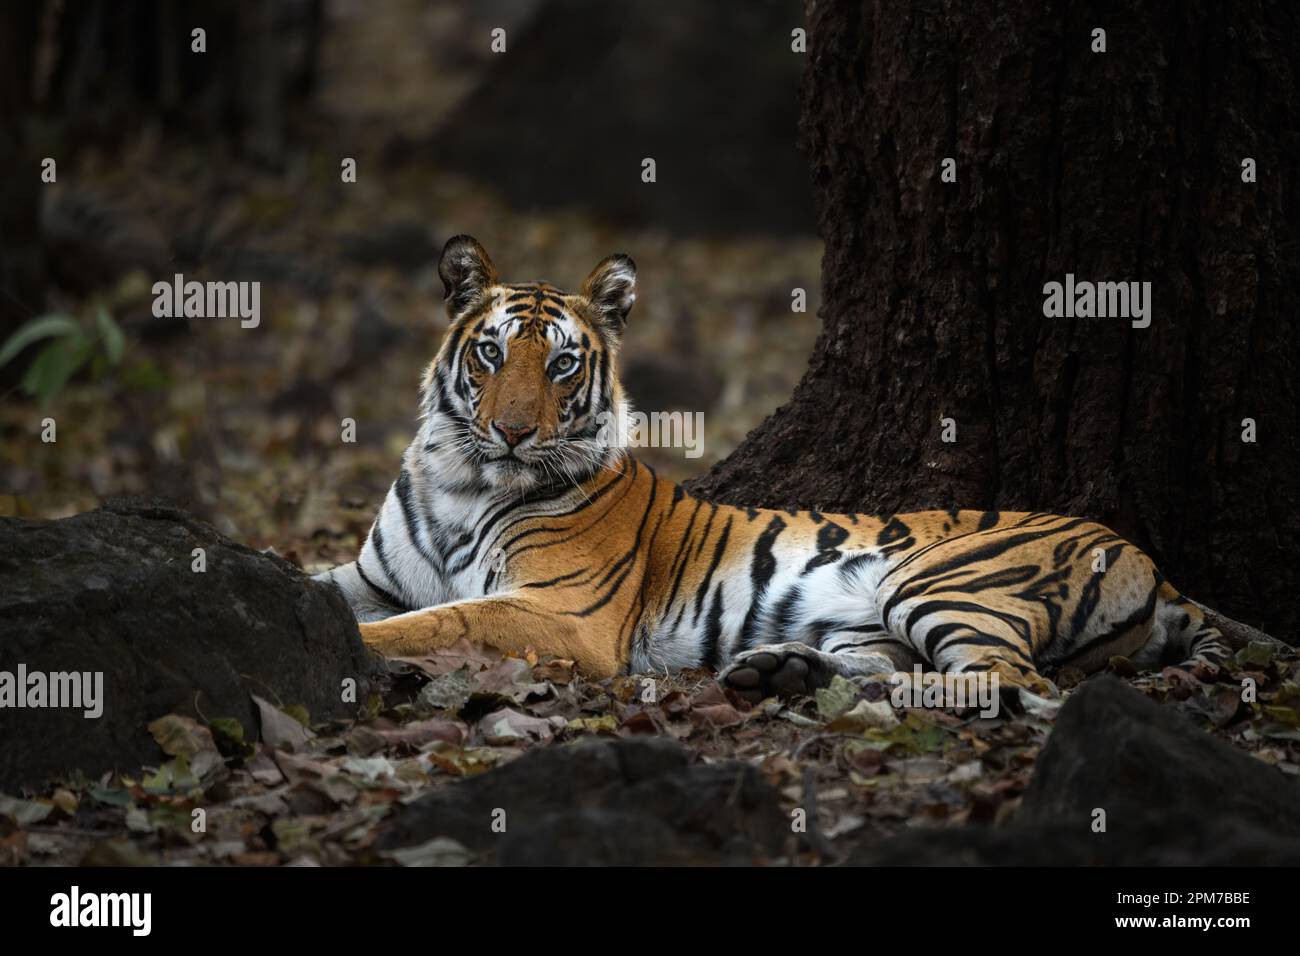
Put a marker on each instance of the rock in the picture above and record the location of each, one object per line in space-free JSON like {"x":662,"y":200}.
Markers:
{"x":1114,"y":749}
{"x":1172,"y":795}
{"x":113,"y":590}
{"x":629,"y":802}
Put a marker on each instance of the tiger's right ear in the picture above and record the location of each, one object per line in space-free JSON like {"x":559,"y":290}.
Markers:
{"x":466,"y":273}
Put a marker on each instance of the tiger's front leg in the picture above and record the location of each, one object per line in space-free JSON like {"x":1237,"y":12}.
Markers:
{"x":510,"y":622}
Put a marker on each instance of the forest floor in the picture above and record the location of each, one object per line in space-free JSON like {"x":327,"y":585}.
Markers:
{"x":319,"y":794}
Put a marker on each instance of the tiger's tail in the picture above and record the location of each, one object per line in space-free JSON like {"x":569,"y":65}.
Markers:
{"x":1190,"y":638}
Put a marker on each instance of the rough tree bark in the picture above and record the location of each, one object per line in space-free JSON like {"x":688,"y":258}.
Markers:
{"x":1122,"y":165}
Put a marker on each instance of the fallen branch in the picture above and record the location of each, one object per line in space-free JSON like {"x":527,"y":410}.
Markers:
{"x":1238,"y":634}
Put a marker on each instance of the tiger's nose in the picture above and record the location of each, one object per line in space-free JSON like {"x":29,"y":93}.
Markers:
{"x":513,"y":434}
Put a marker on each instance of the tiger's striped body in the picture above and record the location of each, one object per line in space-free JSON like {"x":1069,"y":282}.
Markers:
{"x":512,"y":524}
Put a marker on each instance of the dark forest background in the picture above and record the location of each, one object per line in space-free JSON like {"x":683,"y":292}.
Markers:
{"x":225,"y":165}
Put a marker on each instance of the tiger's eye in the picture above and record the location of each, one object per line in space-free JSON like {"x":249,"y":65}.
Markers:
{"x":564,"y":363}
{"x":489,"y":351}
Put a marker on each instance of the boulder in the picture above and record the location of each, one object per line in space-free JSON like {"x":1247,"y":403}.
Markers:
{"x":1115,"y":750}
{"x":1172,"y":795}
{"x":114,"y":592}
{"x":627,"y":802}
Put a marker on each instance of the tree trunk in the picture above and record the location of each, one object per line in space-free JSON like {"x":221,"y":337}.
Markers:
{"x":1124,"y":165}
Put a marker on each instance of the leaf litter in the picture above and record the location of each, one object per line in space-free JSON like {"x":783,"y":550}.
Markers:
{"x":319,"y":795}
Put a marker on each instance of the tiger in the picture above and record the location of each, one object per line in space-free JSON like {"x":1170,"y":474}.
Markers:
{"x":518,"y":521}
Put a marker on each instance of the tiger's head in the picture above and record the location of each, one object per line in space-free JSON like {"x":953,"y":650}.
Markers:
{"x":526,"y":379}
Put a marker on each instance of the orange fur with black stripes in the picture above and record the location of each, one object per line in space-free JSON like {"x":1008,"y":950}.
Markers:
{"x":518,"y":520}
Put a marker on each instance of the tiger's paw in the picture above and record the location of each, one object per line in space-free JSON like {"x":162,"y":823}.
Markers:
{"x":410,"y":634}
{"x":775,"y":670}
{"x":380,"y":636}
{"x":1013,"y":678}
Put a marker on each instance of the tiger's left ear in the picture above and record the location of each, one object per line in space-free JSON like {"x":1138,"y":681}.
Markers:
{"x":611,"y":288}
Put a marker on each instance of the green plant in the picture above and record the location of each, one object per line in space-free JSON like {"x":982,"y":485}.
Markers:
{"x":71,"y":344}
